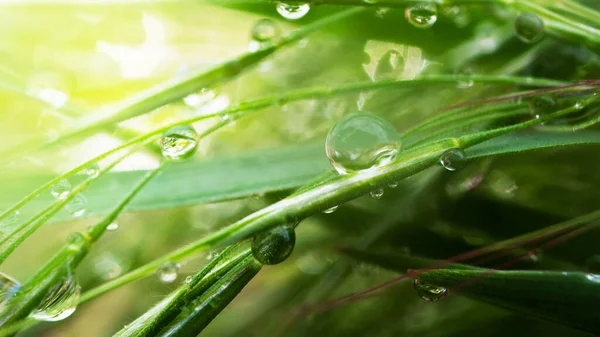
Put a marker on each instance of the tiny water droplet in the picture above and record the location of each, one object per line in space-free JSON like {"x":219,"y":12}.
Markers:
{"x":529,"y":28}
{"x":60,"y":301}
{"x":535,"y":255}
{"x":199,"y":99}
{"x":112,"y":227}
{"x":264,"y":30}
{"x":540,"y":106}
{"x":179,"y":142}
{"x":92,"y":170}
{"x":292,"y":10}
{"x":188,"y":279}
{"x":61,"y":189}
{"x":381,"y":12}
{"x":361,"y":141}
{"x":331,"y":209}
{"x":393,"y":184}
{"x":275,"y":245}
{"x":77,"y":205}
{"x":579,"y":105}
{"x":422,"y":15}
{"x":8,"y":288}
{"x":429,"y":292}
{"x":465,"y":71}
{"x":377,"y":193}
{"x":453,"y":159}
{"x":167,"y":273}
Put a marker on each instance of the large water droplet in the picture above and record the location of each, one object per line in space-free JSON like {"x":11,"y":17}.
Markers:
{"x":60,"y":301}
{"x":421,"y":15}
{"x":540,"y":106}
{"x":330,"y":209}
{"x":179,"y":142}
{"x":361,"y":141}
{"x":292,"y":10}
{"x":429,"y":292}
{"x":377,"y":193}
{"x":529,"y":28}
{"x":453,"y":159}
{"x":275,"y":245}
{"x":92,"y":170}
{"x":8,"y":288}
{"x":61,"y":189}
{"x":77,"y":205}
{"x":264,"y":30}
{"x":167,"y":273}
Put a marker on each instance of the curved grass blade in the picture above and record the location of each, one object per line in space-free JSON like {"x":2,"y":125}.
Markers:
{"x":196,"y":316}
{"x":568,"y":298}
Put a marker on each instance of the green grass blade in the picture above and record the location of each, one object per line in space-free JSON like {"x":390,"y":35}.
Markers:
{"x":569,"y":298}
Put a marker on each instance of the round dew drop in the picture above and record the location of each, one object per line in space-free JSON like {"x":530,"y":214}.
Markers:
{"x":453,"y":159}
{"x":167,"y":273}
{"x":541,"y":106}
{"x":275,"y":245}
{"x":421,"y":15}
{"x":529,"y":28}
{"x":429,"y":292}
{"x":179,"y":142}
{"x":377,"y":193}
{"x":361,"y":141}
{"x":292,"y":10}
{"x":61,"y":189}
{"x":112,"y":227}
{"x":93,"y":170}
{"x":264,"y":30}
{"x":60,"y":301}
{"x":77,"y":205}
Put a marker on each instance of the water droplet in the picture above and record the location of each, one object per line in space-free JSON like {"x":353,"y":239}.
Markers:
{"x":77,"y":205}
{"x":377,"y":193}
{"x":361,"y":141}
{"x":535,"y":255}
{"x":381,"y":12}
{"x":540,"y":106}
{"x":453,"y":159}
{"x":429,"y":292}
{"x":465,"y":71}
{"x":421,"y":15}
{"x":393,"y":184}
{"x":61,"y":189}
{"x":275,"y":245}
{"x":264,"y":30}
{"x":60,"y":301}
{"x":92,"y":170}
{"x":108,"y":267}
{"x":593,"y":277}
{"x":112,"y":227}
{"x":199,"y":99}
{"x":179,"y":142}
{"x":529,"y":27}
{"x":331,"y":209}
{"x":292,"y":10}
{"x":8,"y":288}
{"x":188,"y":279}
{"x":167,"y":273}
{"x":10,"y":222}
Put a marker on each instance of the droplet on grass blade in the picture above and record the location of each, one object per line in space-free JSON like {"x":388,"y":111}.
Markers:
{"x":292,"y":10}
{"x":61,"y":189}
{"x":8,"y":288}
{"x":453,"y":159}
{"x":167,"y":273}
{"x":540,"y":106}
{"x":264,"y":30}
{"x":330,"y":209}
{"x":275,"y":245}
{"x":529,"y":28}
{"x":179,"y":142}
{"x":77,"y":206}
{"x":422,"y":15}
{"x":61,"y":300}
{"x":92,"y":170}
{"x":377,"y":193}
{"x":429,"y":292}
{"x":361,"y":141}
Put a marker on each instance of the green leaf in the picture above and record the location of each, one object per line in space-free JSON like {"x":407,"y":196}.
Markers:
{"x":211,"y":180}
{"x":568,"y":298}
{"x":531,"y":141}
